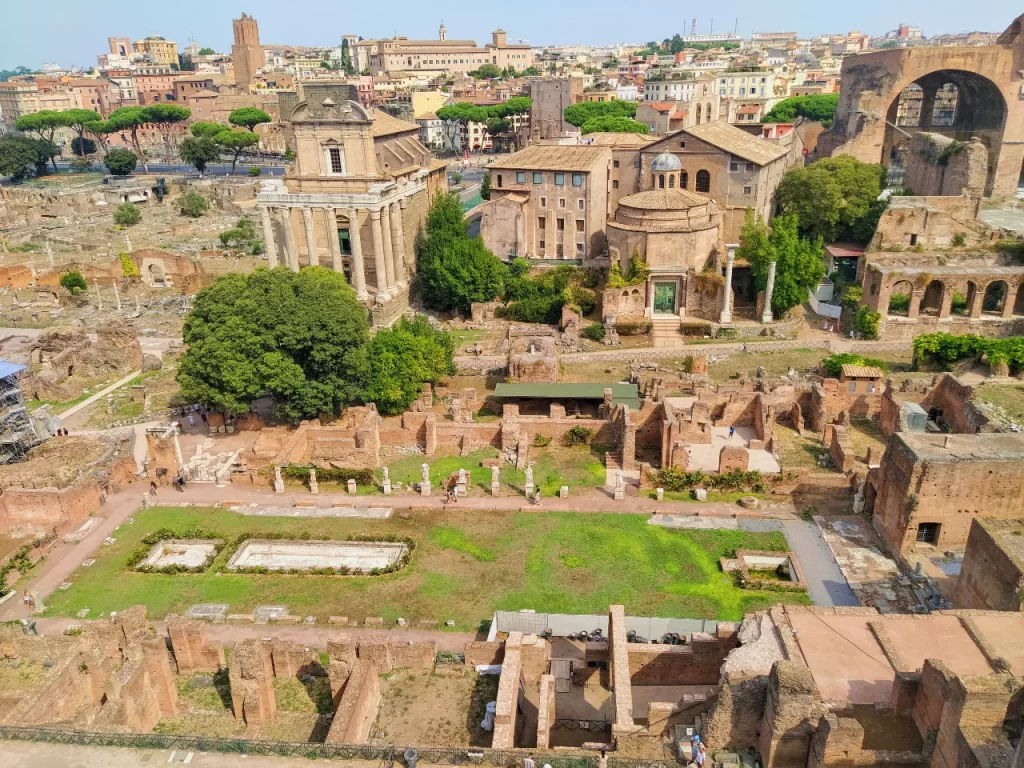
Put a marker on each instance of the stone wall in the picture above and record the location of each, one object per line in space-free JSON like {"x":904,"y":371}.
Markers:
{"x":508,"y":694}
{"x":956,"y":401}
{"x":38,"y":511}
{"x":791,"y":707}
{"x":193,"y":652}
{"x":293,"y":659}
{"x":619,"y":672}
{"x":251,"y":675}
{"x":481,"y":652}
{"x":992,"y":574}
{"x":545,"y":711}
{"x":841,"y":449}
{"x":699,"y":663}
{"x":357,"y":708}
{"x":938,"y":165}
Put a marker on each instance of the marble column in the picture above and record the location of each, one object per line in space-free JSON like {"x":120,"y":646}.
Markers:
{"x":408,"y":259}
{"x":307,"y":221}
{"x":726,"y":316}
{"x":389,"y":258}
{"x":358,"y":270}
{"x":378,"y":256}
{"x":331,"y":222}
{"x":269,"y":246}
{"x":290,"y":246}
{"x":398,"y":244}
{"x":766,"y":313}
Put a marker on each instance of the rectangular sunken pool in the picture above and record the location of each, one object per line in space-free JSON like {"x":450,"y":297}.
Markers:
{"x":285,"y":555}
{"x":190,"y":553}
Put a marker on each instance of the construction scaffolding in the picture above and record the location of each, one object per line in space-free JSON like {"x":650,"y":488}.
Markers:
{"x":17,"y":434}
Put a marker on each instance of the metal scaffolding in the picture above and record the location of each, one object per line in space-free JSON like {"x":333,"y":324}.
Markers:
{"x":17,"y":434}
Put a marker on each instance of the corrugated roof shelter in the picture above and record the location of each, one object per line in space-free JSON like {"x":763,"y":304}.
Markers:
{"x":626,"y":394}
{"x":850,"y":371}
{"x":9,"y":369}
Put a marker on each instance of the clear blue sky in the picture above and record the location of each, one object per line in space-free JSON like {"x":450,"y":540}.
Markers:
{"x":75,"y":32}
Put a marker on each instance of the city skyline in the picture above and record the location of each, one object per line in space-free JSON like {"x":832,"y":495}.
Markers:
{"x":78,"y":43}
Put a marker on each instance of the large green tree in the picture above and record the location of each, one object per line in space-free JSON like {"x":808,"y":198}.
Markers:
{"x":199,"y":152}
{"x":18,"y":157}
{"x":613,"y":124}
{"x":236,"y":142}
{"x":578,"y":114}
{"x":815,"y":106}
{"x":248,"y":117}
{"x":205,"y":130}
{"x":77,"y":119}
{"x":300,"y":337}
{"x":165,"y":117}
{"x":120,"y":162}
{"x":100,"y":130}
{"x":346,"y":57}
{"x":798,"y":261}
{"x":128,"y":120}
{"x":403,"y":359}
{"x":44,"y":125}
{"x":455,"y":269}
{"x":835,"y":198}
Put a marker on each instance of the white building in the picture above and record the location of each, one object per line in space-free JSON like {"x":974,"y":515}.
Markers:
{"x":750,"y":84}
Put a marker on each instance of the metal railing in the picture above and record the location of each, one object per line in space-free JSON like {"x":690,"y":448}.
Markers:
{"x":387,"y":754}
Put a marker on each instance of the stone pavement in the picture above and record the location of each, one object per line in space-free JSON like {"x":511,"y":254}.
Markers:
{"x":874,"y":577}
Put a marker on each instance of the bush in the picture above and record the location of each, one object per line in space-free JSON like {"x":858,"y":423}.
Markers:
{"x":128,"y":266}
{"x":959,"y":240}
{"x":633,"y":327}
{"x":945,"y":349}
{"x":120,"y":162}
{"x":578,"y":436}
{"x":594,"y":332}
{"x":738,"y":480}
{"x":365,"y":477}
{"x":866,"y":323}
{"x":899,"y":302}
{"x":539,"y":441}
{"x":73,"y":281}
{"x":193,"y":205}
{"x":852,"y":297}
{"x":255,"y":171}
{"x":959,"y":304}
{"x":833,"y":364}
{"x":127,"y":215}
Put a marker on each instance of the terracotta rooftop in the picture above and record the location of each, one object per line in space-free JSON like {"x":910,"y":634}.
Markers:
{"x":862,"y":372}
{"x":388,"y":125}
{"x":614,"y":139}
{"x":736,"y":141}
{"x":665,"y":200}
{"x":559,"y":158}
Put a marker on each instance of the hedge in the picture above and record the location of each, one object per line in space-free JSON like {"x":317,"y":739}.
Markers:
{"x":738,"y":480}
{"x":20,"y":562}
{"x":331,"y":474}
{"x":141,"y":552}
{"x":633,"y":327}
{"x":945,"y":349}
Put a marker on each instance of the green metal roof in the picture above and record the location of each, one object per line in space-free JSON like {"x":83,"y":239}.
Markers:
{"x":627,"y":394}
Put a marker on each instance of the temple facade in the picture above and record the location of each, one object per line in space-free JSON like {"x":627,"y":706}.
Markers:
{"x":355,"y":201}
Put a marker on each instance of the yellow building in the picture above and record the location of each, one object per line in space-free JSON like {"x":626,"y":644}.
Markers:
{"x":163,"y":51}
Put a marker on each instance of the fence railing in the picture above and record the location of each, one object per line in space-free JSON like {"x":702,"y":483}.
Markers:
{"x":387,"y":754}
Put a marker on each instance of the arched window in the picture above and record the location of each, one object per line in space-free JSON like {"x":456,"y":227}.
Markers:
{"x":661,"y":181}
{"x":908,"y":108}
{"x":698,"y":114}
{"x":944,"y":106}
{"x":671,"y":182}
{"x":684,"y":179}
{"x":703,"y":183}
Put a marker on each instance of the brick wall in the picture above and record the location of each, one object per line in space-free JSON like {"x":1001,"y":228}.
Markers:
{"x":480,"y":652}
{"x":192,"y":651}
{"x":38,"y":511}
{"x":991,"y":577}
{"x":841,"y":449}
{"x":956,"y":401}
{"x":545,"y":711}
{"x":418,"y":656}
{"x":508,"y":694}
{"x":358,"y":706}
{"x":932,"y":169}
{"x":699,"y":663}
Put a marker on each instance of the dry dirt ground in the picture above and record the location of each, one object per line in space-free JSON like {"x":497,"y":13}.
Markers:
{"x":424,"y":709}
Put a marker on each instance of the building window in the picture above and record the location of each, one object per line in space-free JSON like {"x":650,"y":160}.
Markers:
{"x":542,"y":244}
{"x":703,"y":183}
{"x":750,"y":166}
{"x":746,"y":190}
{"x":682,"y":145}
{"x":580,"y":225}
{"x":661,"y":181}
{"x":543,"y":202}
{"x":684,"y":179}
{"x":559,"y":179}
{"x":558,"y":251}
{"x":499,"y":181}
{"x":579,"y":204}
{"x":538,"y":178}
{"x":615,"y":163}
{"x":671,"y":182}
{"x":927,"y":533}
{"x":561,"y":202}
{"x":577,"y":179}
{"x":615,"y":185}
{"x":734,"y":166}
{"x":541,"y":222}
{"x":520,"y":177}
{"x":579,"y":248}
{"x":335,"y":160}
{"x":561,"y":225}
{"x":853,"y":386}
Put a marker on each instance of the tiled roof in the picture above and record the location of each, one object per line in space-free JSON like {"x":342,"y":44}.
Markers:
{"x":862,"y":372}
{"x":558,"y":158}
{"x":619,"y":140}
{"x":386,"y":125}
{"x":737,"y":142}
{"x":664,"y":200}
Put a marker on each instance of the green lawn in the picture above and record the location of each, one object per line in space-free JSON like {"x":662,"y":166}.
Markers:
{"x":467,"y":564}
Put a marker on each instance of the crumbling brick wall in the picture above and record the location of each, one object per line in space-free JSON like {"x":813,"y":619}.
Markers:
{"x":193,"y":652}
{"x":698,"y":663}
{"x":732,"y":458}
{"x":481,"y":652}
{"x":956,"y":401}
{"x":792,"y":707}
{"x":992,"y":574}
{"x":841,"y":449}
{"x":357,"y":708}
{"x":937,"y":165}
{"x":508,"y":694}
{"x":341,"y":659}
{"x":251,"y":674}
{"x":545,"y":711}
{"x":418,"y":656}
{"x":38,"y":511}
{"x":293,"y":659}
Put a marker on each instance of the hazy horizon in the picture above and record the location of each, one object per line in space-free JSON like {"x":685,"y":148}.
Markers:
{"x":73,"y":34}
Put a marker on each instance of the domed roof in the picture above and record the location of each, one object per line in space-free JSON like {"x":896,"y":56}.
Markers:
{"x":667,"y":200}
{"x":666,"y":161}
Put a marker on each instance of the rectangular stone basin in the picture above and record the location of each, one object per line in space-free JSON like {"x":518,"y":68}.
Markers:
{"x":191,"y":553}
{"x":283,"y":555}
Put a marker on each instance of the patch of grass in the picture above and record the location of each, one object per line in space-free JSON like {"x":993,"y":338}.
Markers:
{"x":555,"y":561}
{"x":309,"y":697}
{"x":215,"y":698}
{"x":1009,"y":397}
{"x":453,"y":538}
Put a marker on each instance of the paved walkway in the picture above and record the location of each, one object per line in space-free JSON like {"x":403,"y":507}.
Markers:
{"x":826,"y":584}
{"x":102,"y":393}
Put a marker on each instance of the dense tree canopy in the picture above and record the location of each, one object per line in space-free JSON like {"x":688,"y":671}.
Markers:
{"x":128,"y":120}
{"x":486,"y":71}
{"x":236,"y":142}
{"x":834,"y":198}
{"x":248,"y":117}
{"x":403,"y":359}
{"x":199,"y":152}
{"x":578,"y":114}
{"x":18,"y":157}
{"x":816,"y":106}
{"x":44,"y":125}
{"x":120,"y":162}
{"x":613,"y":124}
{"x":455,"y":269}
{"x":164,"y":117}
{"x":299,"y":337}
{"x":798,"y":261}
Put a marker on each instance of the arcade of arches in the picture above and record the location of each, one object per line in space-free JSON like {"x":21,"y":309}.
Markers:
{"x":944,"y":292}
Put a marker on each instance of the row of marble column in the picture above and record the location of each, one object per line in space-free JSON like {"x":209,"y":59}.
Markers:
{"x":388,"y":244}
{"x":766,"y":313}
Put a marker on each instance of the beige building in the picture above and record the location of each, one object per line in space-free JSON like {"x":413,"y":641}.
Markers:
{"x":247,"y":54}
{"x":356,"y":200}
{"x":548,"y":202}
{"x":400,"y":54}
{"x":162,"y":51}
{"x":19,"y":98}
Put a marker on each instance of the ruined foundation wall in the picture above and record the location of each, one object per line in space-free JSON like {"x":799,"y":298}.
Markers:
{"x":358,"y":706}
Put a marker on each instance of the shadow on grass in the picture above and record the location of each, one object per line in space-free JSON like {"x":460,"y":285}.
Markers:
{"x":485,"y":690}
